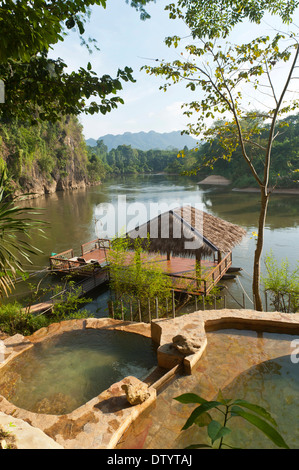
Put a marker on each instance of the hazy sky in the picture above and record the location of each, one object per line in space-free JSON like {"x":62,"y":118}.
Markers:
{"x":126,"y":40}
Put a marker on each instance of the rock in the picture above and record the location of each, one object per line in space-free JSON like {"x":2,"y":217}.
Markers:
{"x":21,"y":435}
{"x":136,"y":393}
{"x":186,"y":344}
{"x":56,"y":403}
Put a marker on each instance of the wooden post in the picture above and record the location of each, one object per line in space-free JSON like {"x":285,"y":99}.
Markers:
{"x":122,"y":310}
{"x":112,"y":308}
{"x":198,"y":269}
{"x":131,"y":310}
{"x":168,"y":255}
{"x":139,"y":310}
{"x":203,"y":302}
{"x":266,"y":301}
{"x":243,"y":300}
{"x":157,"y":308}
{"x":173,"y":304}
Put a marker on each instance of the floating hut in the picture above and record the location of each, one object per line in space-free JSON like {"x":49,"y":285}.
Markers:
{"x":188,"y":232}
{"x":181,"y":241}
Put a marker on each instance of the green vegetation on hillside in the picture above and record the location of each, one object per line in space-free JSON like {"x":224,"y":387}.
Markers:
{"x":46,"y":152}
{"x":127,"y":160}
{"x":204,"y":160}
{"x":56,"y":152}
{"x":285,"y":158}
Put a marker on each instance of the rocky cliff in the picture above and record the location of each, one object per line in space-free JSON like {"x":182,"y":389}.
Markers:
{"x":44,"y":158}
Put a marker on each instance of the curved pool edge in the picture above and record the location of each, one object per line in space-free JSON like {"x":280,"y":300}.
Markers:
{"x":101,"y":422}
{"x":195,"y":325}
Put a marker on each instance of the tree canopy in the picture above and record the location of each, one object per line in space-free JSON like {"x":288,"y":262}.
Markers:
{"x":217,"y":18}
{"x":228,"y":80}
{"x":37,"y":87}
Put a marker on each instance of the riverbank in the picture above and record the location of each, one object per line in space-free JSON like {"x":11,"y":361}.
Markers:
{"x":218,"y":180}
{"x":275,"y":191}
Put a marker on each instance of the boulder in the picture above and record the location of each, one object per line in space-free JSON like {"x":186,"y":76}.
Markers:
{"x":136,"y":393}
{"x":186,"y":344}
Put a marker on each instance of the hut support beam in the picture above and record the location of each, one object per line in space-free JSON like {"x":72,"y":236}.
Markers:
{"x":198,"y":269}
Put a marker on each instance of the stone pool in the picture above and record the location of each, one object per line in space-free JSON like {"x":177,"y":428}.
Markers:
{"x":59,"y":374}
{"x":238,"y":350}
{"x":252,"y":365}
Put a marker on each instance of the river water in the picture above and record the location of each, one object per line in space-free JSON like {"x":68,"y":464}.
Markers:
{"x":77,"y":216}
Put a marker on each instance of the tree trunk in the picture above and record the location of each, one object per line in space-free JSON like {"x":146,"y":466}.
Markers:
{"x":258,"y":250}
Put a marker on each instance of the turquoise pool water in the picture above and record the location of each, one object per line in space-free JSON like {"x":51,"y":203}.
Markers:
{"x":273,"y":384}
{"x":58,"y":375}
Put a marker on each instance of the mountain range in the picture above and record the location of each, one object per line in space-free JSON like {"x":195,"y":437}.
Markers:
{"x":146,"y":140}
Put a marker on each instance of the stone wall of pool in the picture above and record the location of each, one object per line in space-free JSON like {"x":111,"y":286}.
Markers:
{"x":100,"y":423}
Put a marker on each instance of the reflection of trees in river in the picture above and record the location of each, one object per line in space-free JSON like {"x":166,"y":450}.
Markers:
{"x":242,"y":208}
{"x":71,"y":219}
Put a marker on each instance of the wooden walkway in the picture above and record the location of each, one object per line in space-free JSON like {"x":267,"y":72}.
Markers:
{"x":94,"y":259}
{"x":82,"y":288}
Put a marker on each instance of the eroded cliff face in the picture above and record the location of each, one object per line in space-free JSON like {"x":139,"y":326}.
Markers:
{"x":45,"y":158}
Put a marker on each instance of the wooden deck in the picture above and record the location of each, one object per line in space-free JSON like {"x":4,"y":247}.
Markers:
{"x":182,"y":270}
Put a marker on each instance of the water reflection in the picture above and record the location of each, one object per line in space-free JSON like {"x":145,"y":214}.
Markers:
{"x":243,"y":208}
{"x":73,"y":216}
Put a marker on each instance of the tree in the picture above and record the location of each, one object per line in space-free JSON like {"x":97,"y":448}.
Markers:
{"x":15,"y":226}
{"x":37,"y":87}
{"x":226,"y":74}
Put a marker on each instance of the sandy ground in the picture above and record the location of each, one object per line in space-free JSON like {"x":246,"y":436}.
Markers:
{"x":215,"y":179}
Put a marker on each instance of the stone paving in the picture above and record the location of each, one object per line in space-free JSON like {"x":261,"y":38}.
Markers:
{"x":102,"y":421}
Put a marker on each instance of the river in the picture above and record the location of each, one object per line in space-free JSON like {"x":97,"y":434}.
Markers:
{"x":75,"y":217}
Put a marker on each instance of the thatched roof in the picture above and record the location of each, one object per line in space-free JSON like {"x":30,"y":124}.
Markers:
{"x":188,"y":231}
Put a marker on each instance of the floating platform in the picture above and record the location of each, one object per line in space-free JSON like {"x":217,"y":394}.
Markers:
{"x":93,"y":263}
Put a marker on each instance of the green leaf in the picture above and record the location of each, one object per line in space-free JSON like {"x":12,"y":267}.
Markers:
{"x":198,"y":446}
{"x":222,"y":399}
{"x":216,"y":431}
{"x":208,"y":405}
{"x":203,"y":420}
{"x":259,"y":410}
{"x":263,"y":426}
{"x":190,"y":398}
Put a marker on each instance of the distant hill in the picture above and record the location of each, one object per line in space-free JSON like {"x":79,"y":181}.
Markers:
{"x":147,"y":140}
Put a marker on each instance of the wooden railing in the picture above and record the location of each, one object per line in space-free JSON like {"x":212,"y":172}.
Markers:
{"x":217,"y":273}
{"x":203,"y":285}
{"x":95,"y":245}
{"x":60,"y":260}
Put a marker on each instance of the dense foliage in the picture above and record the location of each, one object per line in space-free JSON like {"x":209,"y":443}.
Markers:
{"x":16,"y":319}
{"x":40,"y":88}
{"x":15,"y":243}
{"x":48,"y":152}
{"x":127,"y":160}
{"x":285,"y":158}
{"x":208,"y":158}
{"x":54,"y":151}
